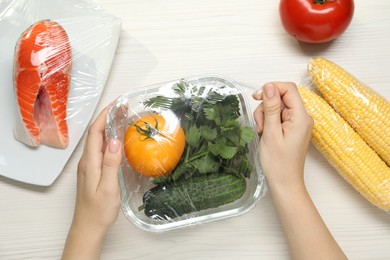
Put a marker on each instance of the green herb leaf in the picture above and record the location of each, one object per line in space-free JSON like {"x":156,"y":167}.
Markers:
{"x":193,"y":136}
{"x":220,"y":148}
{"x":180,"y":88}
{"x":206,"y":164}
{"x":159,"y":102}
{"x":247,"y":135}
{"x":208,"y":133}
{"x":245,"y":167}
{"x":212,"y":114}
{"x":233,"y":136}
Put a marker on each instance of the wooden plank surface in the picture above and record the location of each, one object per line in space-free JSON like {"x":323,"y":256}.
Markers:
{"x":163,"y":40}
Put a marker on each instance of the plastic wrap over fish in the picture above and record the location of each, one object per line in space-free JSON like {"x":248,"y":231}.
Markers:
{"x":57,"y":56}
{"x":190,"y":152}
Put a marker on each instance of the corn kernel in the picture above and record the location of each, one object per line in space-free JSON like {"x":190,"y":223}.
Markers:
{"x":347,"y":152}
{"x":366,"y":111}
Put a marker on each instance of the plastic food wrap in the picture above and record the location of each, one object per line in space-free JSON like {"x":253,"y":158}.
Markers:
{"x":191,"y":152}
{"x":55,"y":58}
{"x":42,"y":66}
{"x":347,"y":152}
{"x":351,"y":126}
{"x":365,"y":110}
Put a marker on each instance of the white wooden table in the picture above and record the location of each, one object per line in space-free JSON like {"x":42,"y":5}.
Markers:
{"x":163,"y":40}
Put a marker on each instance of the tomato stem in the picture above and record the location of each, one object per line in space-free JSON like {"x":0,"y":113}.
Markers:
{"x":320,"y":2}
{"x":148,"y":130}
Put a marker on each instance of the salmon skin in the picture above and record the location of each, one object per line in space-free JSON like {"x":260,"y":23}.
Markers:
{"x":42,"y":66}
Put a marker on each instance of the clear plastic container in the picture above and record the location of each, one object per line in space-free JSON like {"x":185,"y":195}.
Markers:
{"x":130,"y":107}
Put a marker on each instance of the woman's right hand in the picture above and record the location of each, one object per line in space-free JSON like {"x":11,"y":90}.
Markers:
{"x":285,"y":129}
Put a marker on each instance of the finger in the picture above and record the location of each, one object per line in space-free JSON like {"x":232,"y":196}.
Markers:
{"x":272,"y":108}
{"x":258,"y":95}
{"x":93,"y":149}
{"x":111,"y":162}
{"x":258,"y":115}
{"x":290,"y":95}
{"x":81,"y":166}
{"x":95,"y":131}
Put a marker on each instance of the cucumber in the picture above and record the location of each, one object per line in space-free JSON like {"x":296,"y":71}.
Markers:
{"x":168,"y":201}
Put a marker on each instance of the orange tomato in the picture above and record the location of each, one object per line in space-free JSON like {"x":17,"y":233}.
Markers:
{"x":154,"y":144}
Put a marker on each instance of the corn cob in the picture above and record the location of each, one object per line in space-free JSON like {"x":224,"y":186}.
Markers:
{"x":366,"y":111}
{"x":347,"y":152}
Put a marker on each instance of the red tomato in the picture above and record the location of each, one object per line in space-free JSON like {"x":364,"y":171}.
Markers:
{"x":316,"y":21}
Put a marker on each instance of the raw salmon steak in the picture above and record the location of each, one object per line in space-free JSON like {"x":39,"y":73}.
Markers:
{"x":42,"y":69}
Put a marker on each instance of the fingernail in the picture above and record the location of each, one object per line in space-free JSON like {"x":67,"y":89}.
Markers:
{"x":269,"y":90}
{"x":257,"y":92}
{"x":113,"y":145}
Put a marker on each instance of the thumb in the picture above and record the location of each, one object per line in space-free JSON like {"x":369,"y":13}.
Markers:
{"x":271,"y":109}
{"x":111,"y":162}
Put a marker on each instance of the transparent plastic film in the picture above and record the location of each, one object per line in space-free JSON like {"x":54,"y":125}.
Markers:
{"x":191,"y":152}
{"x":365,"y":110}
{"x":347,"y":152}
{"x":42,"y":69}
{"x":56,"y":56}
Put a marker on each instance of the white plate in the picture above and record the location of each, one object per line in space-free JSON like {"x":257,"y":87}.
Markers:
{"x":94,"y":36}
